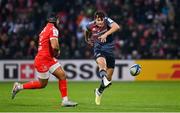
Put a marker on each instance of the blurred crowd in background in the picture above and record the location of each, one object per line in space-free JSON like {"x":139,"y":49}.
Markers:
{"x":150,"y":28}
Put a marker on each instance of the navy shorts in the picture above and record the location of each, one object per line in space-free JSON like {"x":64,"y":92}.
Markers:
{"x":110,"y":59}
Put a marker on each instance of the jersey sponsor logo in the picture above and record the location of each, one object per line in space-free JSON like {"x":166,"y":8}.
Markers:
{"x":27,"y":71}
{"x":93,"y":29}
{"x":10,"y":71}
{"x":99,"y":33}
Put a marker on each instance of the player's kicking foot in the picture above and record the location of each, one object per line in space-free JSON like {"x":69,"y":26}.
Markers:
{"x":69,"y":104}
{"x":15,"y":89}
{"x":98,"y":96}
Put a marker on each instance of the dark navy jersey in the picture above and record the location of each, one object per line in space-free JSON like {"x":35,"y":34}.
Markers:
{"x":96,"y":31}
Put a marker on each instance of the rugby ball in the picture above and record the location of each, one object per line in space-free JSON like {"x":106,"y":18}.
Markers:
{"x":135,"y":69}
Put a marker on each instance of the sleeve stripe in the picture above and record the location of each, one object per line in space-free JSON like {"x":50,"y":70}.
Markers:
{"x":53,"y":38}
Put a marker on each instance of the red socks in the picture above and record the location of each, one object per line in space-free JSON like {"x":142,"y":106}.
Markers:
{"x":32,"y":85}
{"x":63,"y":88}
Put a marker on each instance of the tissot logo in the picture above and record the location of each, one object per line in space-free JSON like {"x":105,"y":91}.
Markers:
{"x":85,"y":70}
{"x":76,"y":70}
{"x":10,"y":71}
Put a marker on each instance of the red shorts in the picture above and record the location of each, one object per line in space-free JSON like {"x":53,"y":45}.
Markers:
{"x":44,"y":63}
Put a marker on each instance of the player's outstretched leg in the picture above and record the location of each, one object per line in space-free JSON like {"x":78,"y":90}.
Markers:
{"x":101,"y":61}
{"x":60,"y":74}
{"x":37,"y":84}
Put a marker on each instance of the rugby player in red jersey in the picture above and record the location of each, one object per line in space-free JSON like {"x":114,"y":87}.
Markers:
{"x":45,"y":63}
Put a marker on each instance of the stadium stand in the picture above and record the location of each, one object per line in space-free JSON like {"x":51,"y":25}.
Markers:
{"x":150,"y":28}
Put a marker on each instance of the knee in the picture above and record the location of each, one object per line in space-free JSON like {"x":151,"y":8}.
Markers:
{"x":101,"y":63}
{"x":60,"y":74}
{"x":102,"y":67}
{"x":63,"y":76}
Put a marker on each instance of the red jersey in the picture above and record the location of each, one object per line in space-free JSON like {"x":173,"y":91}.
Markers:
{"x":49,"y":32}
{"x":44,"y":59}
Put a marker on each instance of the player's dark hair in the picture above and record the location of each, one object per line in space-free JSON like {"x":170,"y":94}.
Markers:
{"x":99,"y":14}
{"x":52,"y":18}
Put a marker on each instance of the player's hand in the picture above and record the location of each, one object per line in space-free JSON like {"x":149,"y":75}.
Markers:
{"x":57,"y":53}
{"x":103,"y":37}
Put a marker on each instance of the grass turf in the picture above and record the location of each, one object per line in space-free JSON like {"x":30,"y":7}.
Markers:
{"x":120,"y":97}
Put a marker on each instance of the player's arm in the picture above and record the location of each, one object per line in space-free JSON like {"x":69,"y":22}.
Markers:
{"x":113,"y":28}
{"x":54,"y":42}
{"x":55,"y":46}
{"x":87,"y":35}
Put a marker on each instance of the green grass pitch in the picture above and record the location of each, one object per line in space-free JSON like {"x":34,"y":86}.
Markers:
{"x":120,"y":97}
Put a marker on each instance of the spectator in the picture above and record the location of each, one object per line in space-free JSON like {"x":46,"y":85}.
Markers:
{"x":150,"y":27}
